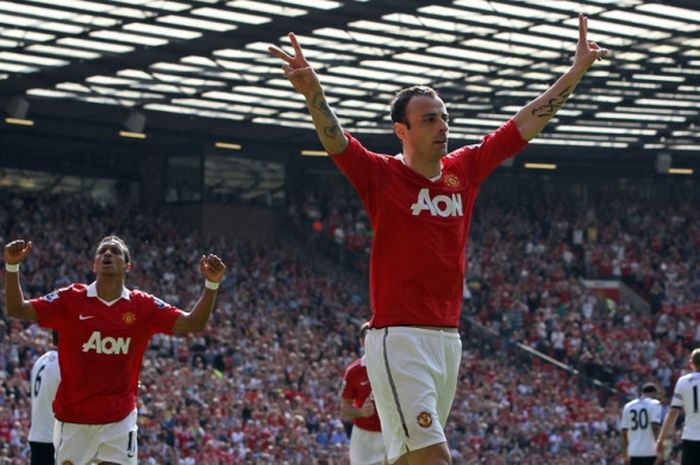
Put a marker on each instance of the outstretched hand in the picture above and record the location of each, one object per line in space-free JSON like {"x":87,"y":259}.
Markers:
{"x":212,"y":267}
{"x":297,"y":69}
{"x":587,"y":51}
{"x":17,"y":250}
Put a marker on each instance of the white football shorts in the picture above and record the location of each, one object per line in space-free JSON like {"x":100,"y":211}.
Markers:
{"x":79,"y":444}
{"x":413,"y":372}
{"x":366,"y":447}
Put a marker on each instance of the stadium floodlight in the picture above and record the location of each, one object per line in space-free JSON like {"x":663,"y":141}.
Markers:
{"x":17,"y":110}
{"x":134,"y":125}
{"x":314,"y":153}
{"x":132,"y":135}
{"x":227,"y":146}
{"x":541,"y":166}
{"x":686,"y":171}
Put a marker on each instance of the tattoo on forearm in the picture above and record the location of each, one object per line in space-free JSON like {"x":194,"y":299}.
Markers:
{"x":550,"y":108}
{"x":332,"y":128}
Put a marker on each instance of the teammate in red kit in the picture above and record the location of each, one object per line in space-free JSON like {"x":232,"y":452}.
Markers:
{"x":104,"y":329}
{"x":420,"y":205}
{"x":356,"y":404}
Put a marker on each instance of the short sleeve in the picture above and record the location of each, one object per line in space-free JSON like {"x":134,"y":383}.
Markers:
{"x":348,"y":392}
{"x":362,"y":167}
{"x":624,"y":420}
{"x":163,"y":315}
{"x":677,"y":399}
{"x":657,"y":413}
{"x":50,"y":308}
{"x":482,"y":159}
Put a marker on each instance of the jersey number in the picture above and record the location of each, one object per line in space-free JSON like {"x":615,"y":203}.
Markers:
{"x":640,"y":419}
{"x":695,"y":398}
{"x":37,"y":381}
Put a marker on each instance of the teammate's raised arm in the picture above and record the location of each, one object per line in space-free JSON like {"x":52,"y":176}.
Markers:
{"x":213,"y":269}
{"x":305,"y":81}
{"x":534,"y":116}
{"x":15,"y":253}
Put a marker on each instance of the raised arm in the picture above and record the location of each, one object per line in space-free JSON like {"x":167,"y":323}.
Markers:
{"x":213,"y":270}
{"x":15,"y":253}
{"x":533,"y":117}
{"x":305,"y":81}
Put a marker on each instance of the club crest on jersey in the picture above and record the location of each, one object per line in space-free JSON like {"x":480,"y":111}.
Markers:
{"x":440,"y":205}
{"x":451,"y":180}
{"x":51,"y":296}
{"x":425,"y":420}
{"x":107,"y":345}
{"x":129,"y":318}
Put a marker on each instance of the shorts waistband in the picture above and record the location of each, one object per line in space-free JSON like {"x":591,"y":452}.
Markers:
{"x":417,"y":330}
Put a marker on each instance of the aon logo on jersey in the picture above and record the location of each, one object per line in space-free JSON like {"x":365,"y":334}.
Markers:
{"x":440,"y":205}
{"x":107,"y":345}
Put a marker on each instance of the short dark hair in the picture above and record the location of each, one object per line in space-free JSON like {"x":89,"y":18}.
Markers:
{"x":649,"y":388}
{"x":403,"y":97}
{"x":120,"y":241}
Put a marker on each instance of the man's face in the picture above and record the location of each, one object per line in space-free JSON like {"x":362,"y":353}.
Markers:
{"x":110,"y":259}
{"x":426,"y":132}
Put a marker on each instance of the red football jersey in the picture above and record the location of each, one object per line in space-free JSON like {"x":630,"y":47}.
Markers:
{"x":421,"y":226}
{"x":101,"y":348}
{"x":356,"y":388}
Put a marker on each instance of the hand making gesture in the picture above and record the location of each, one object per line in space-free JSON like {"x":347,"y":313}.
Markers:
{"x":297,"y":69}
{"x":587,"y":51}
{"x":212,"y":268}
{"x":17,"y":250}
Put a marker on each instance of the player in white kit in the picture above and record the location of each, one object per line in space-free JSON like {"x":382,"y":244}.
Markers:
{"x":640,"y":424}
{"x":686,"y":397}
{"x":44,"y":382}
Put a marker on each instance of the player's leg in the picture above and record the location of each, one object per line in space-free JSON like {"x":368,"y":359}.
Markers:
{"x":118,"y":445}
{"x":437,"y":454}
{"x":366,"y":447}
{"x":407,"y":368}
{"x":75,"y":443}
{"x":446,"y":384}
{"x":642,"y":460}
{"x":690,"y":452}
{"x":42,"y":453}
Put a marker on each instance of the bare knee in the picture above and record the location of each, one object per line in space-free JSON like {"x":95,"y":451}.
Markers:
{"x":437,"y":454}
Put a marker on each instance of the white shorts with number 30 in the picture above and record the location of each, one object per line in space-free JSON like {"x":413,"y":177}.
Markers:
{"x":80,"y":444}
{"x":413,"y":372}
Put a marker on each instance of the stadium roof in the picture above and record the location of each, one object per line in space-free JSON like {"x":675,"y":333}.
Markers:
{"x":199,"y":72}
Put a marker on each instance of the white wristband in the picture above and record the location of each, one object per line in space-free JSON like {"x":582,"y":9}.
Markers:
{"x":211,"y":285}
{"x":12,"y":267}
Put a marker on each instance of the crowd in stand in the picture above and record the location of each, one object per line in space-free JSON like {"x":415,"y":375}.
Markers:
{"x":528,"y":254}
{"x":261,"y":384}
